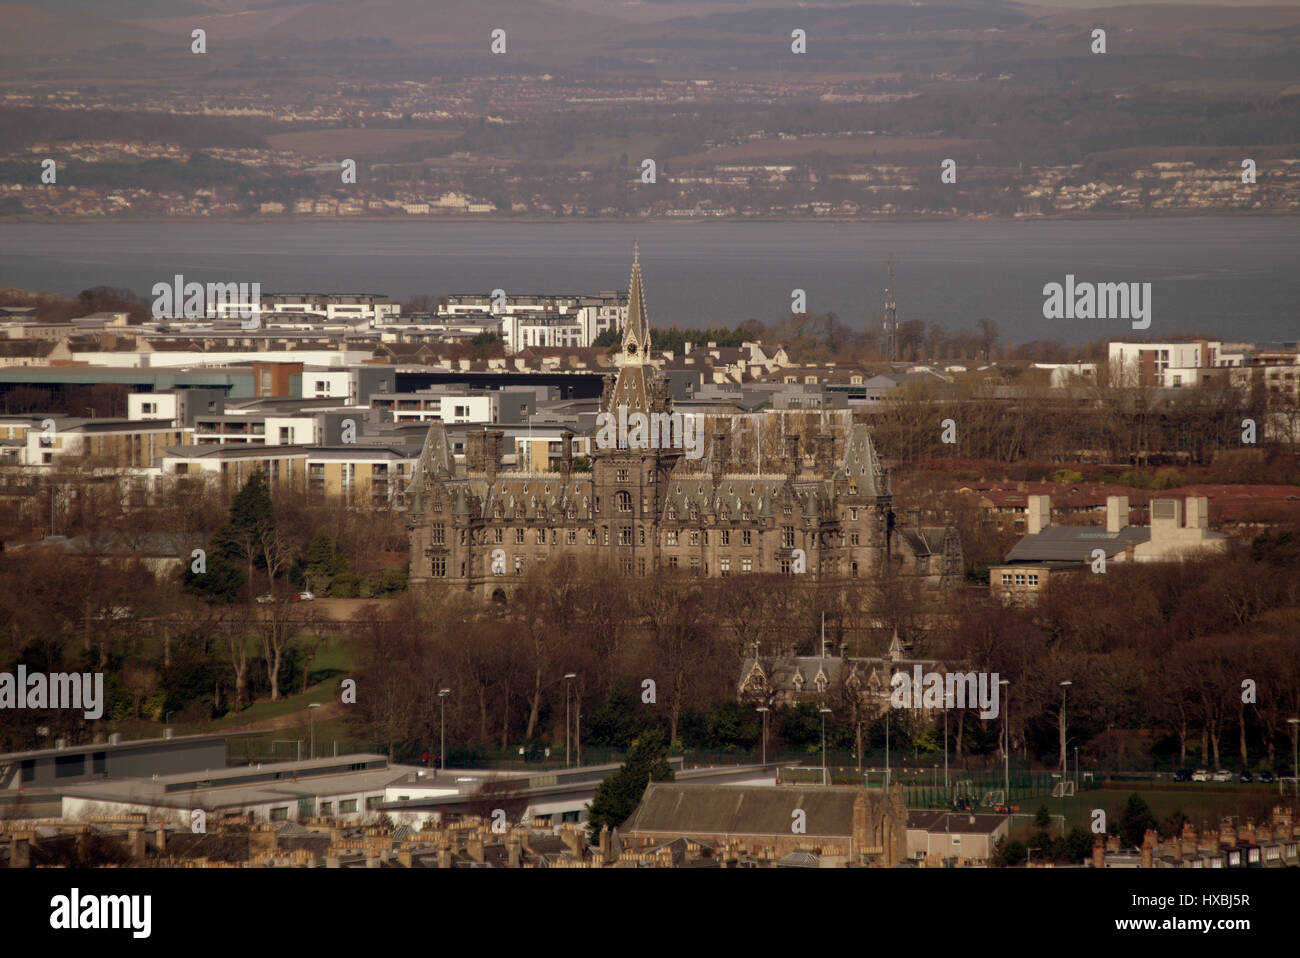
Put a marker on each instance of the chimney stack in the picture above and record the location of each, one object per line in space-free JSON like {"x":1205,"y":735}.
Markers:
{"x":1149,"y":841}
{"x":566,"y":454}
{"x":1116,"y":513}
{"x":494,"y":440}
{"x":1189,"y":839}
{"x":719,"y":454}
{"x":1098,"y":853}
{"x":1038,"y":513}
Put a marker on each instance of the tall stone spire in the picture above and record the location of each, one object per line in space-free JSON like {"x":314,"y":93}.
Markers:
{"x":636,"y":331}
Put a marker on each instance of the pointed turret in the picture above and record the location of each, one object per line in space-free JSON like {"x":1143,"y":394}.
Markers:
{"x":636,"y":331}
{"x":631,"y":387}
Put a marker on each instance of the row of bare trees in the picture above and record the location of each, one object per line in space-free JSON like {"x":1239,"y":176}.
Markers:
{"x":1103,"y":420}
{"x":1155,"y":654}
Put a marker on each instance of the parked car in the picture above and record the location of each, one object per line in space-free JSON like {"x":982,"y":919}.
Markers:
{"x":1222,"y":775}
{"x":304,"y":597}
{"x":265,"y":599}
{"x":1266,"y":777}
{"x":1200,"y":775}
{"x":1183,"y":775}
{"x":1245,"y":777}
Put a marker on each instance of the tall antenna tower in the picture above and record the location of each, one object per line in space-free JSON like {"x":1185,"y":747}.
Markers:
{"x":889,"y":341}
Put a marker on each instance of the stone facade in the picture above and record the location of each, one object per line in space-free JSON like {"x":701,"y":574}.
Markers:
{"x":765,"y":493}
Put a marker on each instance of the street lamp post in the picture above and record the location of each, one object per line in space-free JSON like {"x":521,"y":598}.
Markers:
{"x":442,"y":748}
{"x":1295,"y":755}
{"x":569,"y":676}
{"x":1076,"y":769}
{"x":886,"y":748}
{"x":1006,"y":741}
{"x":1064,"y":688}
{"x":763,"y":710}
{"x":859,"y":744}
{"x":825,"y":711}
{"x":311,"y":724}
{"x":947,"y":705}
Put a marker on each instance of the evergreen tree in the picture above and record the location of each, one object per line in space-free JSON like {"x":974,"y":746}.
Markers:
{"x":1134,"y":821}
{"x":237,"y":547}
{"x":618,"y":795}
{"x":324,"y":562}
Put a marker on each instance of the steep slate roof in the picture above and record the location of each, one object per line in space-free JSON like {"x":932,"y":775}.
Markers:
{"x":863,"y":464}
{"x":538,"y":495}
{"x":800,"y":672}
{"x":670,"y":808}
{"x":630,"y":390}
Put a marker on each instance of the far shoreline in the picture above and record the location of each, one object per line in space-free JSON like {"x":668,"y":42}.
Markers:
{"x":632,"y":221}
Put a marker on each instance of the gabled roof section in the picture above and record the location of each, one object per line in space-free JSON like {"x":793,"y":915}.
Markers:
{"x":739,"y":810}
{"x":862,"y":464}
{"x":631,"y":390}
{"x":435,"y":460}
{"x":435,"y":463}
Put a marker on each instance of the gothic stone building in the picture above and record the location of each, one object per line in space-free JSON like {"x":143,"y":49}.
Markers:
{"x":863,"y":684}
{"x":823,"y":506}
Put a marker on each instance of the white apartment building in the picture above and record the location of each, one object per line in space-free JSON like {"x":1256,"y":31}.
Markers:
{"x":544,"y":321}
{"x":440,"y":406}
{"x":1162,"y":364}
{"x":328,"y":384}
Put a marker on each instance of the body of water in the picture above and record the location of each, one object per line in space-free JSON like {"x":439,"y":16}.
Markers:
{"x":1235,"y":278}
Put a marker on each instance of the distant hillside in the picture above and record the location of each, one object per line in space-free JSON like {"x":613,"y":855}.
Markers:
{"x":49,"y":31}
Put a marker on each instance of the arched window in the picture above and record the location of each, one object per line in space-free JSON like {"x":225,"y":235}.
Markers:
{"x":622,"y":502}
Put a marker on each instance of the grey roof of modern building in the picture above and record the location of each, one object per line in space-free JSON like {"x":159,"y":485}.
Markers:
{"x":1075,"y":543}
{"x":120,"y":746}
{"x":294,"y":780}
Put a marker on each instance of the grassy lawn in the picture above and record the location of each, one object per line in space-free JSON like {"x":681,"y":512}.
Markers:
{"x":280,"y":744}
{"x":1203,"y":808}
{"x":603,"y":150}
